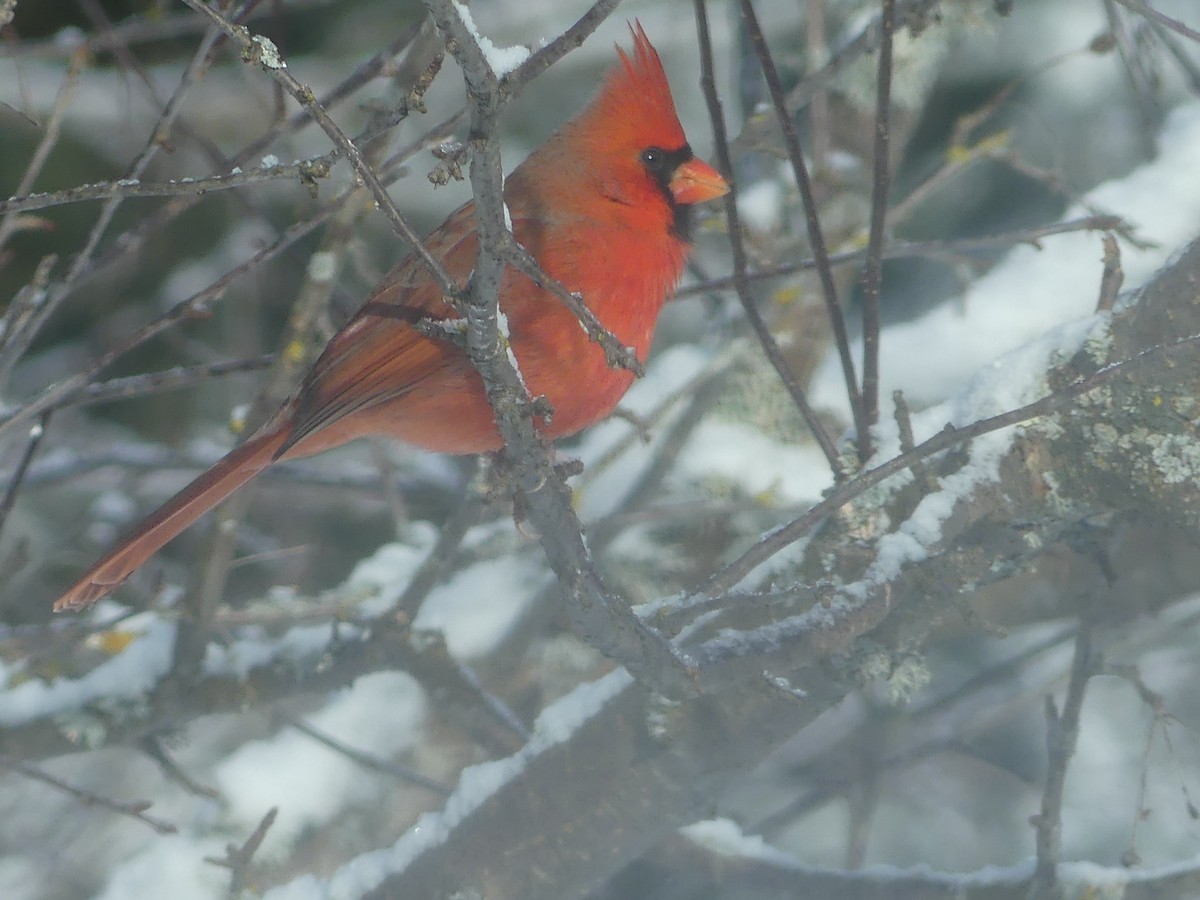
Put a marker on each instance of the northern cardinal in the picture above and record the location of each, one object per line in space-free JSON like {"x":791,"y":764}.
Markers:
{"x":602,"y":205}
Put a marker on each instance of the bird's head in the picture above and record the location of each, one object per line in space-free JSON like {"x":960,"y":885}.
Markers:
{"x":630,"y":147}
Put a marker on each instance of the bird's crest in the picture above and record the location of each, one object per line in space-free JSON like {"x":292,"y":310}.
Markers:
{"x":635,"y":103}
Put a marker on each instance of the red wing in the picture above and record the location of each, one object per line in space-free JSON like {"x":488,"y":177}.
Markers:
{"x":378,"y":355}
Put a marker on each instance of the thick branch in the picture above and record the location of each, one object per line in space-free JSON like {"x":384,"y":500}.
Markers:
{"x":656,"y":766}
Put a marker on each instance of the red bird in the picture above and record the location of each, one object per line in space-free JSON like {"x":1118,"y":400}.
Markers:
{"x":602,"y":206}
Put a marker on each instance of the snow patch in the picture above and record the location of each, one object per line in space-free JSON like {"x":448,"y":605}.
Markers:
{"x":556,"y":724}
{"x":1032,"y":290}
{"x":127,"y":675}
{"x":309,"y":782}
{"x":502,"y":59}
{"x":476,"y":608}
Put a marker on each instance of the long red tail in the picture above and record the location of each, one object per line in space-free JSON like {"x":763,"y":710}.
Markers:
{"x":230,"y":472}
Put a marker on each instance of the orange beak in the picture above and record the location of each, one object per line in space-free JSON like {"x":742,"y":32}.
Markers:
{"x":696,"y":181}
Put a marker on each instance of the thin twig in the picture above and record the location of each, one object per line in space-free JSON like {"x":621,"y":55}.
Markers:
{"x":926,"y":724}
{"x":1113,"y":276}
{"x":719,"y":367}
{"x":262,"y":52}
{"x":20,"y":313}
{"x":134,"y":810}
{"x":816,"y":236}
{"x":66,"y":464}
{"x":173,"y":379}
{"x":305,"y":171}
{"x":702,"y":396}
{"x":237,"y":858}
{"x":1160,"y":718}
{"x":462,"y":698}
{"x":19,"y":342}
{"x":50,"y":134}
{"x":129,"y":63}
{"x":1062,"y":733}
{"x":195,"y":306}
{"x":907,"y":249}
{"x":1189,"y":66}
{"x":914,"y":13}
{"x":740,"y":262}
{"x":437,"y":562}
{"x":499,"y":710}
{"x":873,"y":270}
{"x":1147,"y":107}
{"x":367,"y":760}
{"x":199,"y":303}
{"x":1162,"y":19}
{"x":598,"y":616}
{"x":36,"y":434}
{"x":949,"y":437}
{"x":393,"y":498}
{"x":130,"y":242}
{"x":816,"y":46}
{"x":616,"y":354}
{"x":150,"y":28}
{"x":569,"y":40}
{"x":153,"y":747}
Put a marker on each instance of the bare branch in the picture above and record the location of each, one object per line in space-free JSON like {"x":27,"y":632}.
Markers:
{"x":1110,"y":281}
{"x":873,"y":270}
{"x":915,"y":14}
{"x":36,"y":433}
{"x":908,"y":249}
{"x":1062,"y":734}
{"x":366,"y":760}
{"x":130,"y":386}
{"x":950,"y":436}
{"x":816,"y":236}
{"x":50,"y":135}
{"x":238,"y":858}
{"x":617,"y":354}
{"x":569,"y":40}
{"x":193,"y":307}
{"x":740,"y":278}
{"x":261,"y":52}
{"x":135,"y":810}
{"x":306,"y":171}
{"x":137,"y":30}
{"x":597,"y":615}
{"x":1161,"y":18}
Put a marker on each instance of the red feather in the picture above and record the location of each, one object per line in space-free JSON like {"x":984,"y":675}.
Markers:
{"x":597,"y":214}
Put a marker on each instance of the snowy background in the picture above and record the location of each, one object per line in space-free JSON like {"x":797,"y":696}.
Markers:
{"x":331,"y":545}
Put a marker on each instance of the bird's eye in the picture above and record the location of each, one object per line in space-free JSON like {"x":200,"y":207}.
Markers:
{"x":653,"y":159}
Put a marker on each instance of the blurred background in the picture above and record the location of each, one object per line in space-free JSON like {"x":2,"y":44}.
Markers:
{"x":1006,"y":117}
